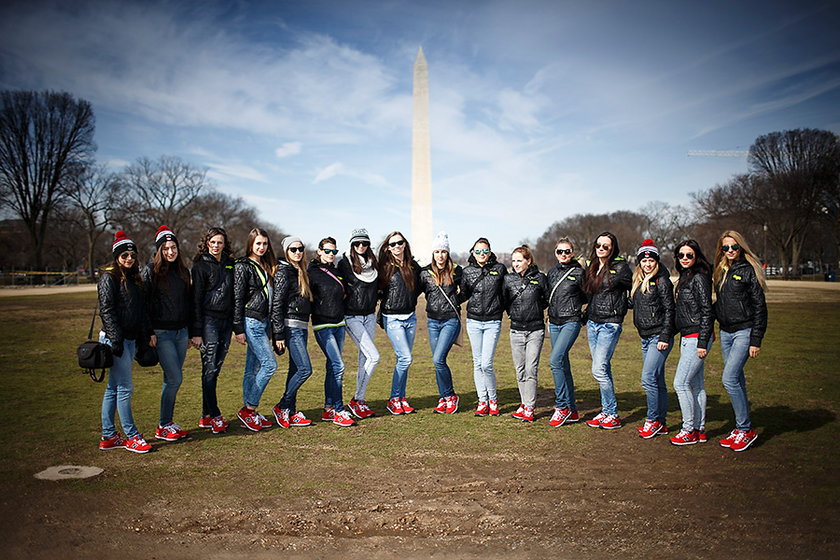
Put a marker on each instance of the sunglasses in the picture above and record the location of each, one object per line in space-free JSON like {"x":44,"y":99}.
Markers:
{"x":562,"y":251}
{"x":128,"y":255}
{"x":604,"y":246}
{"x":399,"y":243}
{"x":330,"y":251}
{"x":686,"y":256}
{"x":481,"y":251}
{"x":296,"y":249}
{"x":734,"y":247}
{"x":361,"y":244}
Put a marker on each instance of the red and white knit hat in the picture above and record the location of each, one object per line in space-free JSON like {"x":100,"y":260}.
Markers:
{"x":121,"y":244}
{"x":648,"y":250}
{"x":163,"y":235}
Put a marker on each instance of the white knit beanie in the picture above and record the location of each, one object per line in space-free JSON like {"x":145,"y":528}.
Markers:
{"x":441,"y":242}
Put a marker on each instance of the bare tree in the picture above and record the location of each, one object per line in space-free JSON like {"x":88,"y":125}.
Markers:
{"x":45,"y":137}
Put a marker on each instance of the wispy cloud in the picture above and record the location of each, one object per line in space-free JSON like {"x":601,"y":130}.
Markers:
{"x":288,"y":149}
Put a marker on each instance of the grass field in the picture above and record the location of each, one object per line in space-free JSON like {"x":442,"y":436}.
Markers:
{"x":427,"y":484}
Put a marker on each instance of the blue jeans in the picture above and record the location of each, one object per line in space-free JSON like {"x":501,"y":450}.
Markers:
{"x":484,"y":335}
{"x":653,"y":378}
{"x":603,"y":338}
{"x":562,"y":338}
{"x":401,"y":334}
{"x":689,"y":384}
{"x":300,"y":368}
{"x":362,"y":329}
{"x":442,"y":335}
{"x":118,"y":392}
{"x":216,"y":343}
{"x":331,"y":341}
{"x":736,"y":351}
{"x":260,"y":363}
{"x":172,"y":351}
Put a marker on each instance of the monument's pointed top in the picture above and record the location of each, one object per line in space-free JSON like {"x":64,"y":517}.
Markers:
{"x":420,"y":57}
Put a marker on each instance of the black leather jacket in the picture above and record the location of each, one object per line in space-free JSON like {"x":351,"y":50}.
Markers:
{"x":693,"y":312}
{"x":212,"y":282}
{"x":361,"y":296}
{"x":740,"y":302}
{"x":609,"y":305}
{"x":287,"y":301}
{"x":568,"y":298}
{"x":122,"y":307}
{"x":327,"y":294}
{"x":169,"y":307}
{"x":525,"y":299}
{"x":653,"y":312}
{"x":250,"y":293}
{"x":481,"y":288}
{"x":396,"y":298}
{"x":437,"y":306}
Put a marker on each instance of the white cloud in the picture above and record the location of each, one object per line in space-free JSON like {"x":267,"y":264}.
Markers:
{"x":288,"y":149}
{"x":327,"y":173}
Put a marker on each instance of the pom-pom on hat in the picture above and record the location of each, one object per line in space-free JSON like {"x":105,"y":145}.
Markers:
{"x":121,"y":244}
{"x":441,"y":242}
{"x":359,"y":234}
{"x":163,"y":235}
{"x":648,"y":250}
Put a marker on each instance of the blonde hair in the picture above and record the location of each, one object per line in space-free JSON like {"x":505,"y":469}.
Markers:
{"x":303,"y":276}
{"x":642,"y":279}
{"x":722,"y":263}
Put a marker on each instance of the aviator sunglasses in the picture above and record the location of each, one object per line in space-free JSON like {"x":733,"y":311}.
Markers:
{"x":734,"y":247}
{"x":128,"y":255}
{"x":481,"y":251}
{"x":604,"y":246}
{"x":684,"y":256}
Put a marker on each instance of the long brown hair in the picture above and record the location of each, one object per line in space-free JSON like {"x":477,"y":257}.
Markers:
{"x":442,"y":276}
{"x":303,"y":276}
{"x":358,"y":261}
{"x":113,"y":268}
{"x":387,"y":263}
{"x":161,"y":266}
{"x":594,"y":279}
{"x":722,"y":264}
{"x":268,"y":261}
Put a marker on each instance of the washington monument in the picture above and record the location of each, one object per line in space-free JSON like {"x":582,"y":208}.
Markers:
{"x":421,"y":166}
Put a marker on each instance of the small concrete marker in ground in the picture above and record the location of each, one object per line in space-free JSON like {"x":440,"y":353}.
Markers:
{"x":66,"y":472}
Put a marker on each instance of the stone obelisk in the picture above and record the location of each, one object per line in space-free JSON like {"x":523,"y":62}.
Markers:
{"x":421,"y":165}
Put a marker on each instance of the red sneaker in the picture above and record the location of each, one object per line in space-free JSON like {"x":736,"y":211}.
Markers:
{"x":343,"y":419}
{"x":441,"y":406}
{"x":219,"y":425}
{"x":596,"y":421}
{"x":527,"y":414}
{"x":574,"y":417}
{"x":170,"y":432}
{"x":701,"y":436}
{"x":727,"y":441}
{"x":650,"y":429}
{"x":452,"y":404}
{"x":482,"y":409}
{"x":281,"y":415}
{"x":328,"y":415}
{"x":611,"y":422}
{"x":367,"y":412}
{"x":394,"y":406}
{"x":264,"y":422}
{"x":298,"y":420}
{"x":115,"y":442}
{"x":518,"y":412}
{"x":205,"y":422}
{"x":744,"y":440}
{"x":493,"y":408}
{"x":356,"y":408}
{"x":137,"y":444}
{"x":684,"y":438}
{"x":249,"y":419}
{"x":407,"y":409}
{"x":560,"y":417}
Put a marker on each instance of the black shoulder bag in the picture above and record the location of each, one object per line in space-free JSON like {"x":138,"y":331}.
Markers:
{"x":94,"y":355}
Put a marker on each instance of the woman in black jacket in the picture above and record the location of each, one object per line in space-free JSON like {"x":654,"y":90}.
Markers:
{"x":607,"y":281}
{"x":694,"y":321}
{"x":741,"y":311}
{"x":525,"y":295}
{"x":253,"y":288}
{"x":565,"y":304}
{"x":329,"y":327}
{"x":358,"y":269}
{"x":481,"y":287}
{"x":212,"y":279}
{"x":124,"y":324}
{"x":652,"y":296}
{"x":439,"y":281}
{"x":399,"y":280}
{"x":167,"y":283}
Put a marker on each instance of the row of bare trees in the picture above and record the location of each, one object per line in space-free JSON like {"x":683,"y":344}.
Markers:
{"x":60,"y":206}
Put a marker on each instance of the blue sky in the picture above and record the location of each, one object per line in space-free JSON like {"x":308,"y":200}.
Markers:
{"x":539,"y":109}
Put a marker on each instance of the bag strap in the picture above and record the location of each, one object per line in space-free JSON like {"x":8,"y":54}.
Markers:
{"x":522,"y":288}
{"x":334,"y":277}
{"x":449,"y":301}
{"x":262,"y":274}
{"x":93,"y":319}
{"x":558,"y":283}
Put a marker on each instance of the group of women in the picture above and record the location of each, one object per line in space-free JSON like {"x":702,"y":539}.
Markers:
{"x":267,"y":302}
